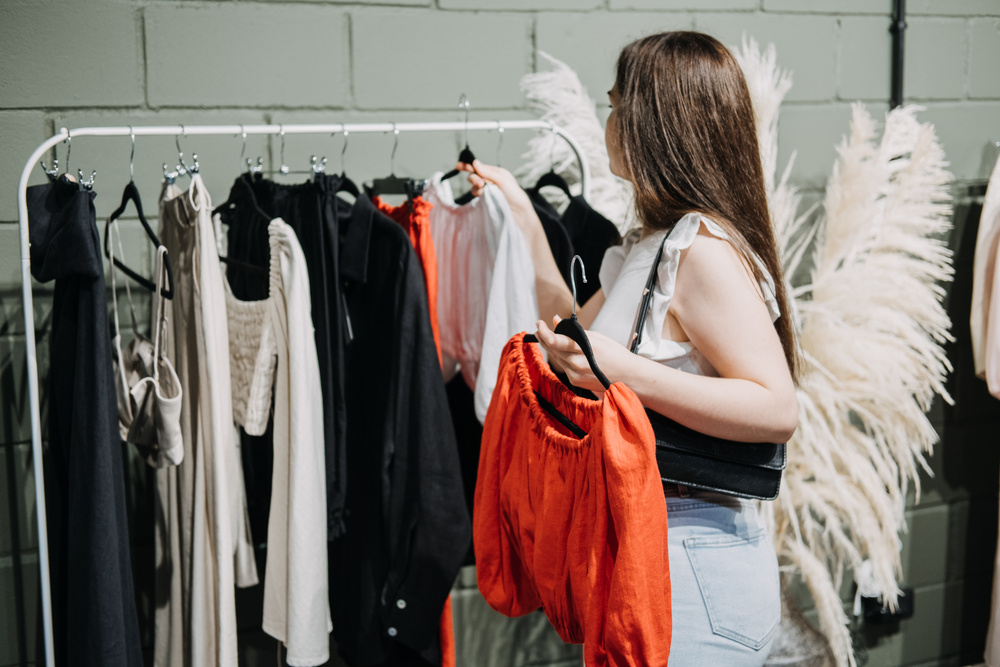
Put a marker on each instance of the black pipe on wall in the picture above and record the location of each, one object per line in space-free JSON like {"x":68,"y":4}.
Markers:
{"x":897,"y":28}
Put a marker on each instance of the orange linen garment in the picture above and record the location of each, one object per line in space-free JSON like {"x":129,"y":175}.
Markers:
{"x":577,"y":526}
{"x":414,"y":217}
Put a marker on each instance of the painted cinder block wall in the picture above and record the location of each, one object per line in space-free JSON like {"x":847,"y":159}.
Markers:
{"x":121,"y":62}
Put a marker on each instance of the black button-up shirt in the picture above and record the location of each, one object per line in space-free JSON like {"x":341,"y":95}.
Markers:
{"x":93,"y":602}
{"x":407,"y":524}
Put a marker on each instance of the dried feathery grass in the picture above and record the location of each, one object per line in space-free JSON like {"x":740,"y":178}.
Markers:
{"x":869,"y":319}
{"x":871,"y":327}
{"x":558,"y":96}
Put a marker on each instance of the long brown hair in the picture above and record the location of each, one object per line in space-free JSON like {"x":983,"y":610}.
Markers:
{"x":688,"y":140}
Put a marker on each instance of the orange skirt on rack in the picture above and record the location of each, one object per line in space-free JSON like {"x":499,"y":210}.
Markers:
{"x":576,"y":526}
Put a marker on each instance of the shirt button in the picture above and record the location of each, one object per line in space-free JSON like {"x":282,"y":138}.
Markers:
{"x":392,"y":632}
{"x":401,"y":603}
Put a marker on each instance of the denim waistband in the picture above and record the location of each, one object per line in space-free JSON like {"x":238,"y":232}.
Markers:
{"x":678,"y":495}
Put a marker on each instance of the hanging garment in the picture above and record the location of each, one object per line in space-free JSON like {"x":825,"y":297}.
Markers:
{"x":985,"y":318}
{"x":414,"y":216}
{"x":486,"y":282}
{"x":559,"y":243}
{"x":575,"y":526}
{"x":149,"y":391}
{"x":985,"y":326}
{"x":203,"y":546}
{"x":93,"y":603}
{"x":310,"y":209}
{"x":407,"y":529}
{"x":589,"y":234}
{"x":272,"y":342}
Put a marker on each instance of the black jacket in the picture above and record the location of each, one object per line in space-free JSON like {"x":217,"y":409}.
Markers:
{"x":93,"y":604}
{"x":591,"y":235}
{"x":555,"y":233}
{"x":580,"y":230}
{"x":408,"y":529}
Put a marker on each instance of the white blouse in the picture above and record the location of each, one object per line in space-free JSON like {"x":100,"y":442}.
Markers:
{"x":623,"y":274}
{"x":272,"y":342}
{"x":984,"y":319}
{"x":486,"y":283}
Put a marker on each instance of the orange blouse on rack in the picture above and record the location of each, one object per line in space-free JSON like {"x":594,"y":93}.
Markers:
{"x":414,"y":216}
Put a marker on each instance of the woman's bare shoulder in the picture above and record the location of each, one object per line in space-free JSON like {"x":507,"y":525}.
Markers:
{"x":711,"y":267}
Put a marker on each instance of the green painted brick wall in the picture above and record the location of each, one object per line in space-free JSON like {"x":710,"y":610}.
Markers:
{"x":143,"y":62}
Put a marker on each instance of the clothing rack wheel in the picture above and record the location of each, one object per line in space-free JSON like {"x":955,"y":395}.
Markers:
{"x":176,"y":131}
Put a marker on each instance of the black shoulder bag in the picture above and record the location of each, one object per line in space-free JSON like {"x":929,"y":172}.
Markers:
{"x":690,"y":458}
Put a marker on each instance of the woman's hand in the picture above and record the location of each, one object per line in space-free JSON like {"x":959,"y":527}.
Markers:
{"x":612,"y":358}
{"x":553,"y":295}
{"x":480,"y":174}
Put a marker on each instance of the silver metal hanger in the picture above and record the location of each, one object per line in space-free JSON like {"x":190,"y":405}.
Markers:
{"x":343,"y":150}
{"x":281,"y":133}
{"x":499,"y":141}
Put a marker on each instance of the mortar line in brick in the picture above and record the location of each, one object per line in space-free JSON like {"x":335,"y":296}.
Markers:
{"x":145,"y":58}
{"x":967,"y":83}
{"x":534,"y":43}
{"x":269,"y":142}
{"x":50,"y":129}
{"x":668,"y":12}
{"x":349,"y":26}
{"x":838,"y":51}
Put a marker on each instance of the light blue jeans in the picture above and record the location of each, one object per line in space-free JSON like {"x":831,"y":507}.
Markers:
{"x":725,"y":594}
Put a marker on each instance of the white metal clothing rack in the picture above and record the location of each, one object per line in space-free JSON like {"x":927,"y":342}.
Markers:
{"x":185,"y":130}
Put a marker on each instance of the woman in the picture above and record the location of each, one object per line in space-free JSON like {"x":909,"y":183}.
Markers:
{"x":721,"y":357}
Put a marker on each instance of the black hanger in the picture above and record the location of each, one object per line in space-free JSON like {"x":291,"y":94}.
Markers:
{"x":573,"y":329}
{"x":391,"y":184}
{"x":553,"y":179}
{"x":131,"y":193}
{"x":242,"y":191}
{"x":465,"y":156}
{"x":349,"y":186}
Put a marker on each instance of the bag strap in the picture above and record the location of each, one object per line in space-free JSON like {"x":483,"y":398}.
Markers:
{"x":647,"y":296}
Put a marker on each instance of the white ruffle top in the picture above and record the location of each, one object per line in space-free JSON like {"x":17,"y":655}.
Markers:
{"x":623,"y":274}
